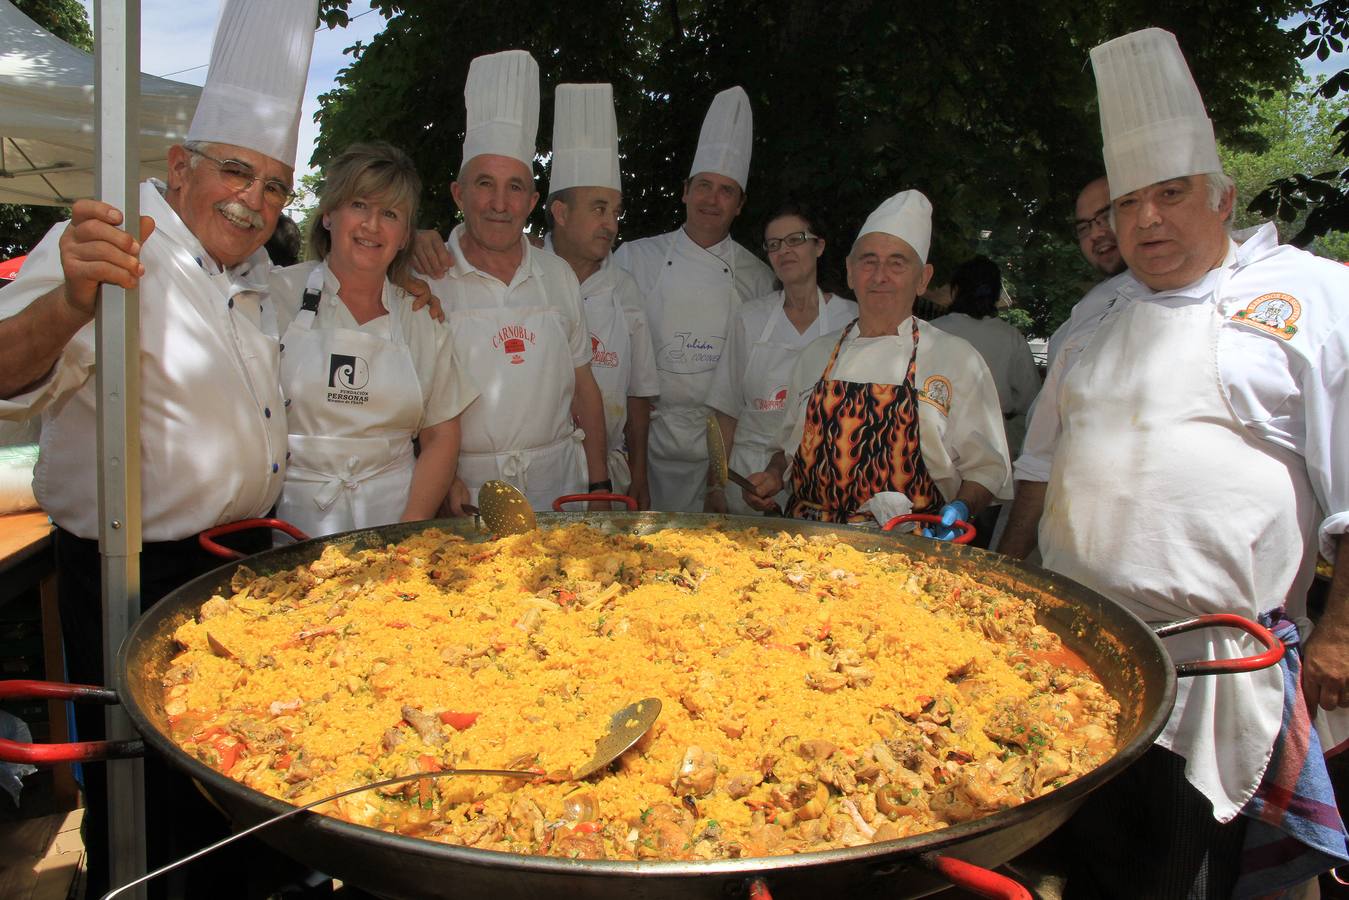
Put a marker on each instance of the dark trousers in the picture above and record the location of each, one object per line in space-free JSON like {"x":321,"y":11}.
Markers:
{"x":179,"y":819}
{"x":1149,"y":833}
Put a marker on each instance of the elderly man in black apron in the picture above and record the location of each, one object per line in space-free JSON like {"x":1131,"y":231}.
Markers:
{"x":893,"y":406}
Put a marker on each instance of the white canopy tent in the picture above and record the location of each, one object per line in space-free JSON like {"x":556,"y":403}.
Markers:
{"x":47,"y":116}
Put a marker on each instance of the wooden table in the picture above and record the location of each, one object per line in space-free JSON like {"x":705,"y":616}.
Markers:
{"x":28,"y":560}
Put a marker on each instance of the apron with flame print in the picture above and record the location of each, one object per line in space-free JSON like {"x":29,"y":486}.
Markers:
{"x":860,"y":439}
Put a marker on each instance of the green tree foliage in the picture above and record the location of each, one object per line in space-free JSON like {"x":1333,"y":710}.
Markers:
{"x":23,"y":226}
{"x":1297,"y":128}
{"x":1319,"y":197}
{"x":987,"y":108}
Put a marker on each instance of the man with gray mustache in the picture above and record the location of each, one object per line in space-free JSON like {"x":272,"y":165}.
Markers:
{"x":213,"y":424}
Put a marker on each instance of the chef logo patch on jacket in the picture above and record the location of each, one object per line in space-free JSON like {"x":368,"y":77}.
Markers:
{"x":601,"y":357}
{"x":937,"y":392}
{"x":347,"y":376}
{"x":513,"y":340}
{"x":690,"y":354}
{"x":770,"y":404}
{"x":1273,"y":312}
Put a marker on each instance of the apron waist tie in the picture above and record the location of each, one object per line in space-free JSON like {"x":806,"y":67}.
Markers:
{"x":514,"y":464}
{"x":349,"y":477}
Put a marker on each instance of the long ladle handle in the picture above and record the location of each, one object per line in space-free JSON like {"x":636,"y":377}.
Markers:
{"x":280,"y":817}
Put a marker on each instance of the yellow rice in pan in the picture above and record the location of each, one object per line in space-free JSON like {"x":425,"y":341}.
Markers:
{"x":815,"y":696}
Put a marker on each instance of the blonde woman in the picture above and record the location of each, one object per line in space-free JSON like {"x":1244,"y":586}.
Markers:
{"x":363,"y":374}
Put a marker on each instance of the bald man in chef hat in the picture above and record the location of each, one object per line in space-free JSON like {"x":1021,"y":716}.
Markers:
{"x":1188,"y":442}
{"x":213,"y":425}
{"x":896,"y":375}
{"x":585,"y":204}
{"x":514,"y":310}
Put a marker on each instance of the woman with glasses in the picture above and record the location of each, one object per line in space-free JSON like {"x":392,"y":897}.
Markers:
{"x":363,"y":373}
{"x":749,"y":391}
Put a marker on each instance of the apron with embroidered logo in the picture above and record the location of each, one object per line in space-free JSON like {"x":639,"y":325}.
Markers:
{"x":354,"y":404}
{"x":694,"y":297}
{"x":611,"y":364}
{"x":860,"y":439}
{"x":520,"y":429}
{"x":768,"y":370}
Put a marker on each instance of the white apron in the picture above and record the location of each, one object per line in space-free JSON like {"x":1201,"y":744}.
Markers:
{"x":1161,"y":499}
{"x":768,"y":372}
{"x":353,"y":405}
{"x":611,"y":364}
{"x":520,"y":429}
{"x":692,"y":304}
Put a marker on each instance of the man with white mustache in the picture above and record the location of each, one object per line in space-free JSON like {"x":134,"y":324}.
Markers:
{"x":213,"y":424}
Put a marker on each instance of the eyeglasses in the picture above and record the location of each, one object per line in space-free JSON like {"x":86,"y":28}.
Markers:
{"x":1084,"y":227}
{"x":239,"y":176}
{"x":795,"y":239}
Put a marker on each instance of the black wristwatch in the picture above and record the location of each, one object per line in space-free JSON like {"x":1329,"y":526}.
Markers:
{"x":606,"y":486}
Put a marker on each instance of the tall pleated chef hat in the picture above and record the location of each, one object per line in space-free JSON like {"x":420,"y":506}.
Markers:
{"x":255,"y":84}
{"x":501,"y":96}
{"x":585,"y":138}
{"x":727,"y":137}
{"x":908,"y":216}
{"x":1153,"y":122}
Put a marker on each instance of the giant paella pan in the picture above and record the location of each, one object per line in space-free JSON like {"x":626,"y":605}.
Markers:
{"x":1125,"y":654}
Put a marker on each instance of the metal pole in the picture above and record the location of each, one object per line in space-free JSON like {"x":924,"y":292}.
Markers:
{"x":117,"y":94}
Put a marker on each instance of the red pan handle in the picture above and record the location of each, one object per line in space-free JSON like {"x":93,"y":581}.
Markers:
{"x":51,"y":754}
{"x":580,"y":498}
{"x":210,"y":546}
{"x":1270,"y":657}
{"x":974,"y":879}
{"x":965,"y":537}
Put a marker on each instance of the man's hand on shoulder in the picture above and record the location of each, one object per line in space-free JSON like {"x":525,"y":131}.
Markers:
{"x":422,"y":297}
{"x":95,"y":251}
{"x":430,"y":256}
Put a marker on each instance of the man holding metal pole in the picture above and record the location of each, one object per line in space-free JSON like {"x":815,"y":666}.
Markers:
{"x":212,"y":419}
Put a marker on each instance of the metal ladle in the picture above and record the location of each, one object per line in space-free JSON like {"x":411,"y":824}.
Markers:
{"x":718,"y":468}
{"x":626,"y":728}
{"x":504,"y":509}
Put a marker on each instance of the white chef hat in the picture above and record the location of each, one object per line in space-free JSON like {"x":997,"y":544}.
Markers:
{"x":1153,"y":122}
{"x":585,"y":138}
{"x":908,"y":216}
{"x":255,"y":85}
{"x":727,"y":137}
{"x":501,"y":96}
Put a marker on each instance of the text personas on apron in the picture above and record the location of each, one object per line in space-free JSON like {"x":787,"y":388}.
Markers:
{"x":354,"y":403}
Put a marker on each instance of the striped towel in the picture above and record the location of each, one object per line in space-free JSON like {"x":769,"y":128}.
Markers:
{"x":1295,"y":831}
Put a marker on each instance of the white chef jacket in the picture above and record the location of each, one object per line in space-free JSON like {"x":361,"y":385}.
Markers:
{"x":446,"y":388}
{"x":213,"y":425}
{"x":959,"y":422}
{"x":1292,"y":392}
{"x":690,"y":294}
{"x":1009,"y":360}
{"x":643,"y":379}
{"x":541,"y":280}
{"x":728,"y":394}
{"x":1086,"y":313}
{"x":644,"y":258}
